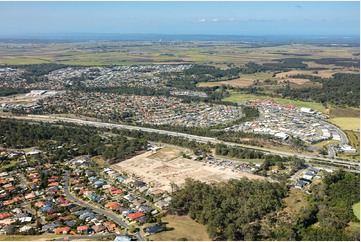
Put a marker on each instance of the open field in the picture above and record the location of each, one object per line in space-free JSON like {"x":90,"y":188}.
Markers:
{"x":245,"y":80}
{"x":11,"y":164}
{"x":344,"y":112}
{"x":121,"y":53}
{"x":234,"y":83}
{"x":184,"y":227}
{"x":325,"y":142}
{"x":354,"y":138}
{"x":295,"y":201}
{"x":347,"y":123}
{"x":347,"y":156}
{"x":239,"y":97}
{"x":99,"y":160}
{"x":161,"y":168}
{"x":320,"y":73}
{"x":356,"y":210}
{"x":250,"y":81}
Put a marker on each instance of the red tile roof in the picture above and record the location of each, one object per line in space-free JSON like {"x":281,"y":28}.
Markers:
{"x":112,"y":205}
{"x":61,"y":230}
{"x":136,"y":215}
{"x":40,"y":204}
{"x":82,"y":228}
{"x":5,"y":215}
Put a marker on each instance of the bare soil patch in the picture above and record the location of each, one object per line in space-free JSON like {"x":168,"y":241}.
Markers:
{"x":241,"y":82}
{"x":297,"y":80}
{"x":160,"y":168}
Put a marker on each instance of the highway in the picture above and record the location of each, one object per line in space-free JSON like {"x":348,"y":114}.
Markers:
{"x":307,"y":157}
{"x":110,"y":215}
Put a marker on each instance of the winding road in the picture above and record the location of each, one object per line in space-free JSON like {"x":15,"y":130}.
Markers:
{"x":110,"y":215}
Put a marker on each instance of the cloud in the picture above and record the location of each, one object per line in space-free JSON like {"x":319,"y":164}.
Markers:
{"x":202,"y":20}
{"x":232,"y":19}
{"x":215,"y":20}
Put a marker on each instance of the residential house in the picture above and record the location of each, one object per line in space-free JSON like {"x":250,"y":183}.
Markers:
{"x":114,"y":206}
{"x":134,"y":216}
{"x":146,"y":209}
{"x":138,"y":202}
{"x":161,"y":204}
{"x":139,"y":184}
{"x":82,"y":229}
{"x":110,"y":226}
{"x":70,"y":223}
{"x":40,"y":204}
{"x":66,"y":218}
{"x":50,"y":227}
{"x":53,"y":190}
{"x":300,"y":184}
{"x":62,"y":230}
{"x":99,"y":228}
{"x":122,"y":238}
{"x":309,"y":175}
{"x":128,"y":197}
{"x":5,"y":215}
{"x":153,"y":229}
{"x":25,"y":229}
{"x":25,"y":219}
{"x":98,"y":183}
{"x":61,"y":200}
{"x":9,"y":229}
{"x":115,"y":191}
{"x":16,"y":210}
{"x":80,"y":212}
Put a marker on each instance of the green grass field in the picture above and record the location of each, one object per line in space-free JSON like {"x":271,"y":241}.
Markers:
{"x":217,"y":53}
{"x":184,"y":227}
{"x":356,"y":210}
{"x":11,"y":164}
{"x":347,"y":123}
{"x":336,"y":112}
{"x":325,"y":142}
{"x":346,"y":156}
{"x":239,"y":97}
{"x":354,"y":138}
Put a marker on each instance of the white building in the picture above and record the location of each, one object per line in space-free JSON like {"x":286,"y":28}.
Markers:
{"x":307,"y":110}
{"x":347,"y":149}
{"x":282,"y":136}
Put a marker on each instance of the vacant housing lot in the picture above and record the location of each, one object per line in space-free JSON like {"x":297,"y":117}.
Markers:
{"x":161,"y":168}
{"x":184,"y":227}
{"x":347,"y":123}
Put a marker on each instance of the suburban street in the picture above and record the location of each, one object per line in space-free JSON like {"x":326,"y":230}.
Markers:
{"x":110,"y":215}
{"x":85,"y":237}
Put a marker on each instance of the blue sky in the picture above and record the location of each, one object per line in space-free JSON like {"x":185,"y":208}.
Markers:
{"x":235,"y":18}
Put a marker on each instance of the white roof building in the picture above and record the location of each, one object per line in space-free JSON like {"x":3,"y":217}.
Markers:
{"x":307,"y":110}
{"x":347,"y":149}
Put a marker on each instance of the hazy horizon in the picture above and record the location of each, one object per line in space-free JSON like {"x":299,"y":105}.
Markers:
{"x":181,"y":18}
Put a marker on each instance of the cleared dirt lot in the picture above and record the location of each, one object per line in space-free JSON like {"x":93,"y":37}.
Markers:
{"x":241,"y":82}
{"x":26,"y":98}
{"x":160,"y":168}
{"x":320,"y":73}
